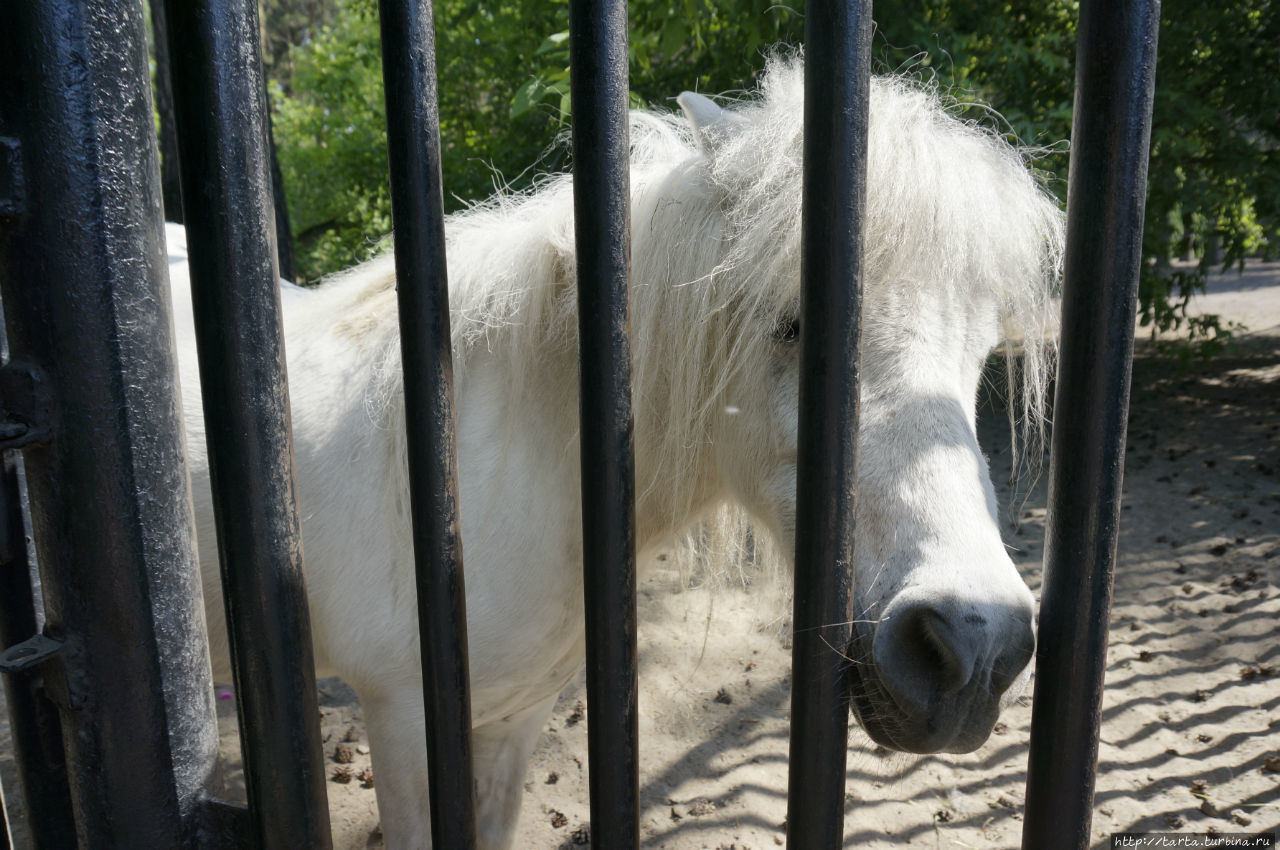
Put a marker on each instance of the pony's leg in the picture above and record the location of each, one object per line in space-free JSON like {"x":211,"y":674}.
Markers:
{"x":501,"y":754}
{"x":398,"y":746}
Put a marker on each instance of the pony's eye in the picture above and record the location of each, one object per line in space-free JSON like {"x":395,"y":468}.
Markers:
{"x":788,"y":330}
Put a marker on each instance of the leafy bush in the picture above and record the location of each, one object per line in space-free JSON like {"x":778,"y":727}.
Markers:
{"x":331,"y":141}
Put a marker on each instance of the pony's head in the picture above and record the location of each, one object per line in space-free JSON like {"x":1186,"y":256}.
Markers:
{"x":962,"y":251}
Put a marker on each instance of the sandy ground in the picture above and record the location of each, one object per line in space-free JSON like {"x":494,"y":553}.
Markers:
{"x":1191,"y":726}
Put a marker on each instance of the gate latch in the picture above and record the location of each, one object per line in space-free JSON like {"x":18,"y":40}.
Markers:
{"x":26,"y":401}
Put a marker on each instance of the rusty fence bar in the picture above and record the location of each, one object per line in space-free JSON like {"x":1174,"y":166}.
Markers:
{"x":602,"y":229}
{"x":89,"y":398}
{"x":1106,"y":196}
{"x":220,"y":113}
{"x":837,"y":87}
{"x":417,"y":205}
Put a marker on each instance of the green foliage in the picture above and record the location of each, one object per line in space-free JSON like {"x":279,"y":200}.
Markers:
{"x":286,"y":23}
{"x":1017,"y":57}
{"x":332,"y":144}
{"x":504,"y":99}
{"x":1214,"y":187}
{"x":330,"y":124}
{"x":485,"y":52}
{"x":674,"y":45}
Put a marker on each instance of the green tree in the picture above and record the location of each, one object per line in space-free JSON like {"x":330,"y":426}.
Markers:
{"x":285,"y":24}
{"x":331,"y":132}
{"x":331,"y":140}
{"x":1215,"y":167}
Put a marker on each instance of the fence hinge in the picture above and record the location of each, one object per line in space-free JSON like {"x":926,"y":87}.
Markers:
{"x":26,"y":402}
{"x":13,"y":193}
{"x":32,"y":652}
{"x":44,"y":656}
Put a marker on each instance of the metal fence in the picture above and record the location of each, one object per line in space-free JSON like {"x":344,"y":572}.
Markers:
{"x":107,"y":678}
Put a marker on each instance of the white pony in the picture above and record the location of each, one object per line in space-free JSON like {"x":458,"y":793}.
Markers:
{"x":961,"y":241}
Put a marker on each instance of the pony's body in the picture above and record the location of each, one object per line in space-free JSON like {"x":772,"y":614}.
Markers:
{"x":959,"y":238}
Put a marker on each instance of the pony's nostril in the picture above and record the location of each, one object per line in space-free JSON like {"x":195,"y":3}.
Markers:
{"x":1018,"y":652}
{"x":936,"y":647}
{"x":920,"y":655}
{"x":942,"y":663}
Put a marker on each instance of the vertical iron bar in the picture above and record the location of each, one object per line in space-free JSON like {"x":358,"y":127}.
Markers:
{"x":417,"y":206}
{"x":602,"y":230}
{"x":1106,"y":197}
{"x":280,"y":204}
{"x":87,"y":303}
{"x":220,"y":107}
{"x":837,"y":90}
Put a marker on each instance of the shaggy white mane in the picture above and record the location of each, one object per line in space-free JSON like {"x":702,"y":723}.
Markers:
{"x":715,"y":255}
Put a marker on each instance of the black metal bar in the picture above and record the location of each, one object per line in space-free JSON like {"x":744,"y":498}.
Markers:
{"x":837,"y":86}
{"x":83,"y":272}
{"x":417,"y":206}
{"x":220,"y":107}
{"x":280,"y":204}
{"x":602,"y":230}
{"x":1106,"y":197}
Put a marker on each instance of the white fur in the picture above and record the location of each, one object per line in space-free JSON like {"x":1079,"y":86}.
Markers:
{"x":960,"y":240}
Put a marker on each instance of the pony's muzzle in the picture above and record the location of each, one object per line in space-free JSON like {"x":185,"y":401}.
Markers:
{"x":943,"y":665}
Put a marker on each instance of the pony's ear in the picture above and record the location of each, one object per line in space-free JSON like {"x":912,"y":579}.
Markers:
{"x":711,"y":124}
